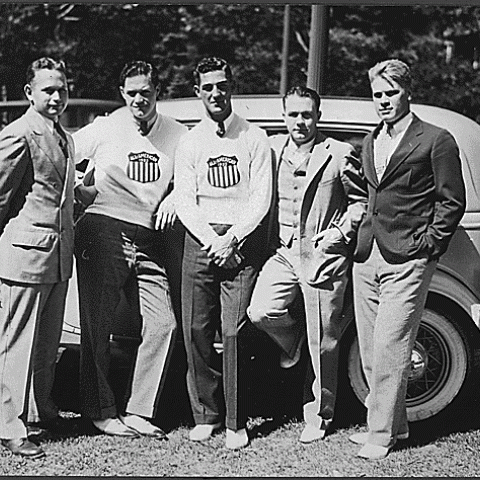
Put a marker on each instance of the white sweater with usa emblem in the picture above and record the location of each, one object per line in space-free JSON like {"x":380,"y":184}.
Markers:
{"x":225,"y":180}
{"x":132,"y":172}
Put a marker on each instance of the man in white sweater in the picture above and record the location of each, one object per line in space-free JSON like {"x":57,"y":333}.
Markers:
{"x":117,"y":247}
{"x":223,"y":187}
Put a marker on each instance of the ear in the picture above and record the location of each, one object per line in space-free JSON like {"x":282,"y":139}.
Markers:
{"x":122,"y":93}
{"x":319,"y":114}
{"x":28,"y":92}
{"x":196,"y":89}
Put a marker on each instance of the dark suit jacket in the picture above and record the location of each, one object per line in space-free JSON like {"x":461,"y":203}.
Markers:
{"x":415,"y":208}
{"x":36,"y":203}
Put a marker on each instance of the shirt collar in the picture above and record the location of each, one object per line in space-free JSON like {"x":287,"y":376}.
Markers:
{"x":399,"y":127}
{"x":214,"y":125}
{"x":150,"y":122}
{"x":303,"y":148}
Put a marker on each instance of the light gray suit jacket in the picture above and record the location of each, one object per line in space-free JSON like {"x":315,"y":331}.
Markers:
{"x":36,"y":203}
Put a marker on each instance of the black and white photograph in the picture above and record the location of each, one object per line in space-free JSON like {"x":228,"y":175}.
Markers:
{"x":239,"y":240}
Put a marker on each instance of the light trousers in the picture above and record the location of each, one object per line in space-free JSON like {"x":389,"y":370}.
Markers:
{"x":31,"y":318}
{"x":280,"y":283}
{"x":389,"y":300}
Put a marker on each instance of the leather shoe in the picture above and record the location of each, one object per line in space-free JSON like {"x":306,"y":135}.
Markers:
{"x":203,"y":431}
{"x":289,"y":362}
{"x":373,"y":452}
{"x":236,"y":439}
{"x":143,"y":427}
{"x":55,"y":425}
{"x":311,"y":433}
{"x":23,"y":447}
{"x":360,"y":438}
{"x":114,"y":427}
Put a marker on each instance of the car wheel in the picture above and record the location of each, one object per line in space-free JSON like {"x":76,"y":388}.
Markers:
{"x":442,"y":365}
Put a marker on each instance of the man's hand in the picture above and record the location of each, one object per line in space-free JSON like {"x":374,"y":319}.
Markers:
{"x":85,"y":194}
{"x":222,"y":251}
{"x":165,"y":216}
{"x":328,"y":238}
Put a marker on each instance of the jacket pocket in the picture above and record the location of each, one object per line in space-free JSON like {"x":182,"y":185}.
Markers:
{"x":37,"y":240}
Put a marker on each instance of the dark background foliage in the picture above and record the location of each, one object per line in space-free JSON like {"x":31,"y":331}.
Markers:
{"x":97,"y":39}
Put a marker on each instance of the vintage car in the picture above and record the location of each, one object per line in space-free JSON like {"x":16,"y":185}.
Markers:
{"x":445,"y":363}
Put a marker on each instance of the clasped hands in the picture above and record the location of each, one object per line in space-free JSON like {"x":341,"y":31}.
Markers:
{"x":223,"y":251}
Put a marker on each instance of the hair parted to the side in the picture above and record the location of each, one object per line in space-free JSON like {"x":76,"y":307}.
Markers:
{"x":44,"y":63}
{"x":139,"y":67}
{"x":392,"y":69}
{"x":302,"y":92}
{"x":211,"y":64}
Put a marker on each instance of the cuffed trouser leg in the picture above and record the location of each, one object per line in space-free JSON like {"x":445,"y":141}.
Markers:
{"x":212,"y":296}
{"x":389,"y":301}
{"x":45,"y":351}
{"x":323,"y":308}
{"x":21,"y":306}
{"x":102,"y":270}
{"x":158,"y":328}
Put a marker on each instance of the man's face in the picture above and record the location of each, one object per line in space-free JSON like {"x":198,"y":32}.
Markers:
{"x":48,"y":93}
{"x":301,"y":118}
{"x":392,"y":102}
{"x":140,"y":96}
{"x":215,"y":91}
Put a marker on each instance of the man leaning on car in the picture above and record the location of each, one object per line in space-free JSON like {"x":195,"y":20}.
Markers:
{"x":320,"y":201}
{"x":416,"y":198}
{"x":117,"y":248}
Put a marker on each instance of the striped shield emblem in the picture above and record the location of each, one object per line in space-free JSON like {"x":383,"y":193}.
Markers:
{"x":223,"y":171}
{"x":143,"y":167}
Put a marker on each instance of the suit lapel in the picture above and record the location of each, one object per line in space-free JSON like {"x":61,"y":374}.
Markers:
{"x":320,"y":156}
{"x":368,"y":157}
{"x":46,"y":141}
{"x":407,"y":145}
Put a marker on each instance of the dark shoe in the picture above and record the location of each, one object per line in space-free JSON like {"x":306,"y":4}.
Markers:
{"x":23,"y":447}
{"x":54,"y":425}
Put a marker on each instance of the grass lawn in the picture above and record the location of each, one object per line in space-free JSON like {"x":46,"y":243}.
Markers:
{"x":274,"y":451}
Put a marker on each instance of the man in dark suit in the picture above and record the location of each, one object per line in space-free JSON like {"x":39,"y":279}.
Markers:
{"x":416,"y":200}
{"x":36,"y":251}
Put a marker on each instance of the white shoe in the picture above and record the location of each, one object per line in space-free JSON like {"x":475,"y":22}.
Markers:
{"x":203,"y":431}
{"x":373,"y":452}
{"x":360,"y":438}
{"x":113,"y":426}
{"x":236,"y":440}
{"x":143,"y":426}
{"x":289,"y":362}
{"x":311,"y":434}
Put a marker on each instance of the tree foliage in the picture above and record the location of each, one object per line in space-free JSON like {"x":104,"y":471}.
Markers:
{"x":96,"y":40}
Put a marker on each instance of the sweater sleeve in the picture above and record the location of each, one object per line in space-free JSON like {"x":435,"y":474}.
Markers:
{"x":260,"y":185}
{"x":185,"y":194}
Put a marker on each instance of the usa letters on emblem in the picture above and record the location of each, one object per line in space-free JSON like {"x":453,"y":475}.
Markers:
{"x":223,"y":171}
{"x":143,"y":167}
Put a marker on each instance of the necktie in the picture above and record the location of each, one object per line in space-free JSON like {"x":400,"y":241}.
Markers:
{"x":382,"y":150}
{"x":143,"y":127}
{"x":62,"y":140}
{"x":221,"y":129}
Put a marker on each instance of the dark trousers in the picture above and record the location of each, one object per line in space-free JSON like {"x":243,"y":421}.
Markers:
{"x":113,"y":255}
{"x":215,"y":299}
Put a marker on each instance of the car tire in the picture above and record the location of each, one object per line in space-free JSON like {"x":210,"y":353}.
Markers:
{"x":443,"y":373}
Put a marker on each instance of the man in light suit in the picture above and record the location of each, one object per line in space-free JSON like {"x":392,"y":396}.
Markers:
{"x":416,"y":197}
{"x":36,"y":251}
{"x":320,"y":201}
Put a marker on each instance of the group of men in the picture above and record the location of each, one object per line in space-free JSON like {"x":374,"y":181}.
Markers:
{"x":268,"y":222}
